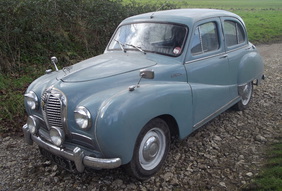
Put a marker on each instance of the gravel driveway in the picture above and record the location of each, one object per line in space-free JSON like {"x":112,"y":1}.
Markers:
{"x":224,"y":155}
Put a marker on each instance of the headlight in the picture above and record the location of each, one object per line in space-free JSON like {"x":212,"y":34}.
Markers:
{"x":32,"y":124}
{"x":82,"y":117}
{"x":57,"y":136}
{"x":31,"y":100}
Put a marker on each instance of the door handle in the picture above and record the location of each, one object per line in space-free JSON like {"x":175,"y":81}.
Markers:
{"x":224,"y":56}
{"x":251,"y":47}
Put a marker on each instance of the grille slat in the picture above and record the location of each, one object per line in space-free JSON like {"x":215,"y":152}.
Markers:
{"x":53,"y":118}
{"x":53,"y":107}
{"x":50,"y":111}
{"x":58,"y":122}
{"x":54,"y":103}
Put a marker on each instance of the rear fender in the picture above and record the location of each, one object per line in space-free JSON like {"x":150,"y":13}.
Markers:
{"x":251,"y":67}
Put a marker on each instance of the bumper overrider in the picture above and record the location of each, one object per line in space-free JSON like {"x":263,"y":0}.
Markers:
{"x":77,"y":155}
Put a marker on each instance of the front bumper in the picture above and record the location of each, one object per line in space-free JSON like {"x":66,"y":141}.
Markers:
{"x":77,"y":155}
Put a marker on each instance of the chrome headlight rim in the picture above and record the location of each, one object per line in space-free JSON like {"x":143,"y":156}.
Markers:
{"x":57,"y":136}
{"x":83,"y":117}
{"x":31,"y":100}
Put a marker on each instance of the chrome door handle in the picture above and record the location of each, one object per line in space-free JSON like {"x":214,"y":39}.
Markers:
{"x":251,"y":47}
{"x":224,"y":56}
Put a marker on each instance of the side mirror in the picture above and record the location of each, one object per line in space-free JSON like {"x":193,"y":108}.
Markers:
{"x":147,"y":74}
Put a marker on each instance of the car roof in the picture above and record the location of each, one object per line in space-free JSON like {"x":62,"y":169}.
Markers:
{"x":181,"y":16}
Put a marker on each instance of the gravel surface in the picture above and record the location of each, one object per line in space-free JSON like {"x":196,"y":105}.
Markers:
{"x":223,"y":155}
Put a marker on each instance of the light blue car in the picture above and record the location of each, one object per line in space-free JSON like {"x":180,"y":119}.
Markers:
{"x":163,"y":74}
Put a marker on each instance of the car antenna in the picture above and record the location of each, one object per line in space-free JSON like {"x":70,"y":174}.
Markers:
{"x":152,"y":16}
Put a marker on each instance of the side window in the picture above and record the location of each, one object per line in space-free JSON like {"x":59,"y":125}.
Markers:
{"x":234,"y":33}
{"x":205,"y":39}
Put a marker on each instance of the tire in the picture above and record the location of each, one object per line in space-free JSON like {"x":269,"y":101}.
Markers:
{"x":246,"y":93}
{"x":150,"y":151}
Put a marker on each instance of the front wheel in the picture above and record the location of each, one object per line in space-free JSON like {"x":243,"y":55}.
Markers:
{"x":151,"y":149}
{"x":245,"y":92}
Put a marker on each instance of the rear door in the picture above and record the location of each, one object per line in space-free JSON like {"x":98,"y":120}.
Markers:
{"x":236,"y":43}
{"x":208,"y":71}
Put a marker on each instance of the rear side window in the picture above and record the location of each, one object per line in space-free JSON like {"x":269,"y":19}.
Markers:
{"x":205,"y":39}
{"x":234,"y":33}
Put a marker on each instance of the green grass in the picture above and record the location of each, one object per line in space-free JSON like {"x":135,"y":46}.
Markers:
{"x":270,"y":177}
{"x":224,"y":4}
{"x":263,"y":18}
{"x":263,"y":25}
{"x":12,"y":88}
{"x":11,"y":101}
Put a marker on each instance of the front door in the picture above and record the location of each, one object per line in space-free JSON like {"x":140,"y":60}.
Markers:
{"x":208,"y":71}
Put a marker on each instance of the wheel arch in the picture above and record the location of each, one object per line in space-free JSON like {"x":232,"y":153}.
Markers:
{"x":172,"y":124}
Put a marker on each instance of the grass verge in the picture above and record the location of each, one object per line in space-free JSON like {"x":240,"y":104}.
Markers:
{"x":270,"y":177}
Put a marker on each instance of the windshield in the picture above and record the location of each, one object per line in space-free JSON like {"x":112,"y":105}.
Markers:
{"x":162,"y":38}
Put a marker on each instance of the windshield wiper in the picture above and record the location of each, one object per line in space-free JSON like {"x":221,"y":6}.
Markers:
{"x":121,"y":45}
{"x":136,"y":47}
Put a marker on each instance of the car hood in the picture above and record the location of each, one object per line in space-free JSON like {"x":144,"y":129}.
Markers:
{"x":103,"y":66}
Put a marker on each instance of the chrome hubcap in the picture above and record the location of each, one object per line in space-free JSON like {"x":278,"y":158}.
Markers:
{"x":152,"y":148}
{"x":246,"y":94}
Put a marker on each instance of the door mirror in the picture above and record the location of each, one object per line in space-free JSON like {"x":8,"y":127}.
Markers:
{"x":147,"y":74}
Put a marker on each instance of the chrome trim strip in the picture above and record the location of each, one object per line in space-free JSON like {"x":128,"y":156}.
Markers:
{"x":83,"y":136}
{"x":77,"y":155}
{"x":206,"y":57}
{"x":235,"y":49}
{"x":84,"y":141}
{"x":219,"y":111}
{"x":225,"y":54}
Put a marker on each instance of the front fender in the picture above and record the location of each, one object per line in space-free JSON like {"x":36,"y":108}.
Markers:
{"x":121,"y":118}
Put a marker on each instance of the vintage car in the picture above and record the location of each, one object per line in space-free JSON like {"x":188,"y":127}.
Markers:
{"x":163,"y":74}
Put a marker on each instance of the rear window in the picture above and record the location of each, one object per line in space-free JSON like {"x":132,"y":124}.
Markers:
{"x":234,"y":33}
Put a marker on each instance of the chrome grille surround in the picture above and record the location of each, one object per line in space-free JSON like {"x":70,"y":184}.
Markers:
{"x":54,"y":107}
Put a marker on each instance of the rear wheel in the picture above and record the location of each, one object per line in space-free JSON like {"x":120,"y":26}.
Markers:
{"x":150,"y":150}
{"x":245,"y":92}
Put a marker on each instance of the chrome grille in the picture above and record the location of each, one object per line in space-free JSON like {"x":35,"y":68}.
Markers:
{"x":53,"y":112}
{"x":53,"y":103}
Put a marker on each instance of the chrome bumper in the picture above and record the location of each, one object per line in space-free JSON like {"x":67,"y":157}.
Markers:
{"x":76,"y":155}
